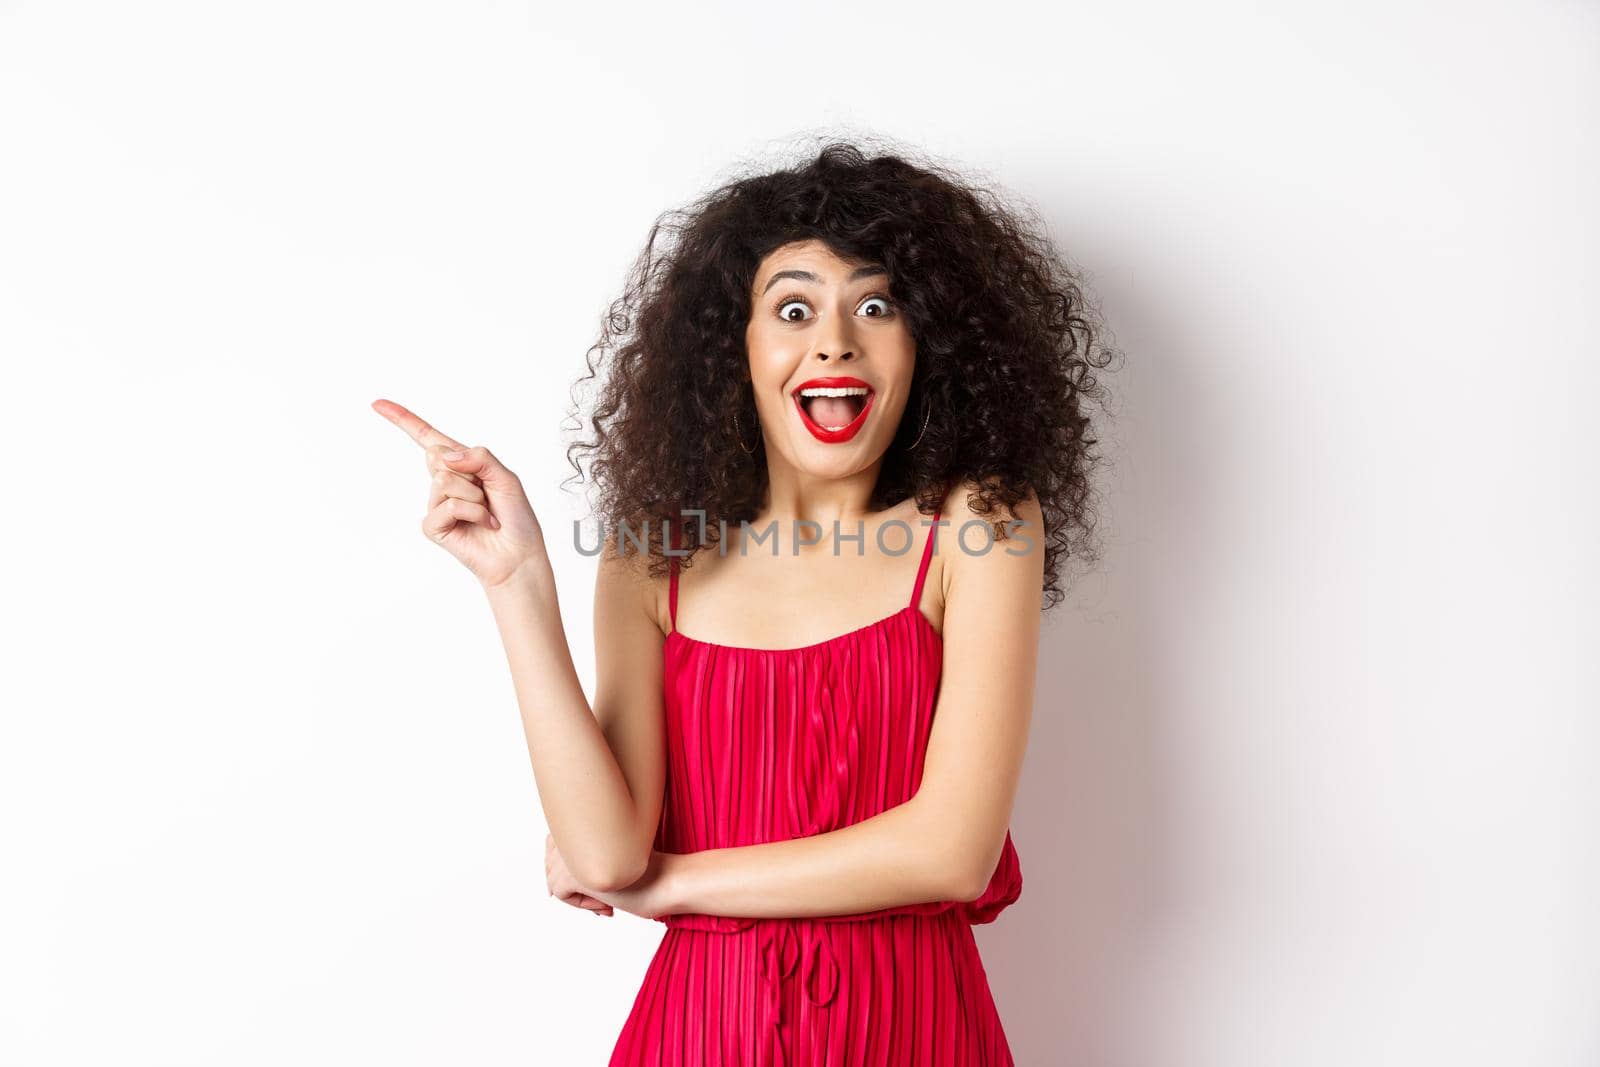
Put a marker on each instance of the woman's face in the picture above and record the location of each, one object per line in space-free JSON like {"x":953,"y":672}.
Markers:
{"x":817,"y":318}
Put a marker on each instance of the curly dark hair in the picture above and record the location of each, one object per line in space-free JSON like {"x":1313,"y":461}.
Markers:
{"x":1005,"y":348}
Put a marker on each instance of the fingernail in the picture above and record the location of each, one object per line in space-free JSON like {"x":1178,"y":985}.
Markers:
{"x":454,"y":455}
{"x":494,"y":523}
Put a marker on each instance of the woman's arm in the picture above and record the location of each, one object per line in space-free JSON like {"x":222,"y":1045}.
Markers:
{"x":943,"y":843}
{"x":599,"y":772}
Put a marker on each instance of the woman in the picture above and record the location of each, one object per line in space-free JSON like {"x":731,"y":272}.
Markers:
{"x":863,"y":381}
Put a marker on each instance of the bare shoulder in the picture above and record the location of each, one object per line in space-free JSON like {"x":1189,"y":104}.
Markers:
{"x":627,"y":592}
{"x":994,"y":561}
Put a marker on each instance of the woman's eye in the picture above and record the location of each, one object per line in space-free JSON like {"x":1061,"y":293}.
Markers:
{"x":793,"y":309}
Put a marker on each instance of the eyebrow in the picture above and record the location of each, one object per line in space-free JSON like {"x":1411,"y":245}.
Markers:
{"x":807,"y":276}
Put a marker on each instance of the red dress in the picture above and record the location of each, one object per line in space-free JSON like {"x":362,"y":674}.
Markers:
{"x":772,"y":744}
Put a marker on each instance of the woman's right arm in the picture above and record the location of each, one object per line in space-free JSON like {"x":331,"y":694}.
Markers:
{"x":599,"y":771}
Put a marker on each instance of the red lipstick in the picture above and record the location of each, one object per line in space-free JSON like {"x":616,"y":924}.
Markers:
{"x":842,"y":433}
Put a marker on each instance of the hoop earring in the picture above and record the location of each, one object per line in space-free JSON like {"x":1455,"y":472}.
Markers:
{"x":739,"y":433}
{"x":928,"y":409}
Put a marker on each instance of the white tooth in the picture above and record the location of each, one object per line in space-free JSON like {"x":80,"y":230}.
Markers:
{"x":844,"y":390}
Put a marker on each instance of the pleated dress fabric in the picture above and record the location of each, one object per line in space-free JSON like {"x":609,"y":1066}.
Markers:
{"x":771,"y":744}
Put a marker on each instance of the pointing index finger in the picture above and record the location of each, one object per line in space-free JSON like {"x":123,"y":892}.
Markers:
{"x":417,"y":429}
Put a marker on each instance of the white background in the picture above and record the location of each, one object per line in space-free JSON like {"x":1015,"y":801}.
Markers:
{"x":1311,"y":780}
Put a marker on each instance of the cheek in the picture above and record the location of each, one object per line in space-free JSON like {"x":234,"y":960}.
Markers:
{"x":771,"y":360}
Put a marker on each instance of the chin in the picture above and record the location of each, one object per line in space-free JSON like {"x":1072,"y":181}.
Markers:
{"x":830,"y":461}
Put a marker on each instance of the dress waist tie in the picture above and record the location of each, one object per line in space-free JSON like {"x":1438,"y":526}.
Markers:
{"x":779,"y":951}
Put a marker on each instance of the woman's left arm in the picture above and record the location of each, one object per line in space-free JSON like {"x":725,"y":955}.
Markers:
{"x":945,"y":842}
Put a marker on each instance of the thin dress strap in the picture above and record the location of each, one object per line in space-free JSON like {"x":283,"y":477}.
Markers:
{"x":672,"y":588}
{"x":927,"y":554}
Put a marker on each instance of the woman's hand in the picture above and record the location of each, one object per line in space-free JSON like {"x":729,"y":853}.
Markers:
{"x":476,"y":507}
{"x":649,"y":898}
{"x":563,"y":886}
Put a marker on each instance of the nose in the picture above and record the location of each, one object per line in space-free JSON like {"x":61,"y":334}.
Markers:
{"x":835,"y":347}
{"x":835,"y":342}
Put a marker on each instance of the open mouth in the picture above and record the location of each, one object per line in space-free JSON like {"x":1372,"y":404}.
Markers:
{"x":833,"y":409}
